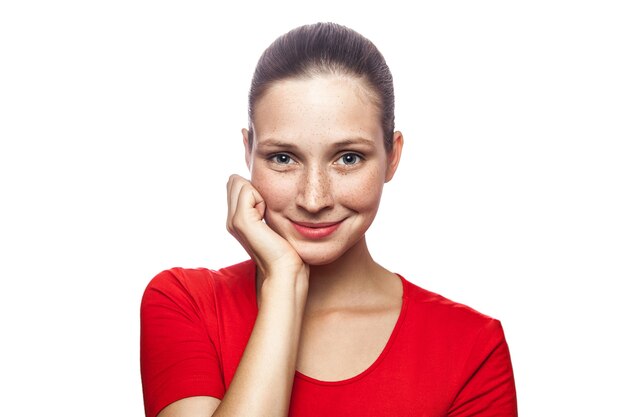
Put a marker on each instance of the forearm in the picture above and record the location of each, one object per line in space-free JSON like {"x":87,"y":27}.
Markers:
{"x":262,"y":383}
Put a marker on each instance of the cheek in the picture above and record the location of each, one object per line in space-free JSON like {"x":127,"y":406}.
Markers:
{"x":276,"y":189}
{"x":362,"y":191}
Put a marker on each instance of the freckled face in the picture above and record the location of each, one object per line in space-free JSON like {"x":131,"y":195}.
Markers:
{"x":319,"y":161}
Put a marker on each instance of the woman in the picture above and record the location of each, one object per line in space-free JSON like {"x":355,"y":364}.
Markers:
{"x":312,"y":325}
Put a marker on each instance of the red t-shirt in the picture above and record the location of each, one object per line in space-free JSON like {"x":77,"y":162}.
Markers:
{"x":442,"y":359}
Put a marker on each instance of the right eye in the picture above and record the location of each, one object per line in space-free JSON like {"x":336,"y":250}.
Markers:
{"x":281,"y":159}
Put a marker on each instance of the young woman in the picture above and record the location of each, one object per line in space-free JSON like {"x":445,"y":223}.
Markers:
{"x":311,"y":325}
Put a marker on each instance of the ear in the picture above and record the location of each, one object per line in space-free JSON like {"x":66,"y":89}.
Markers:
{"x":393,"y":156}
{"x":246,"y":145}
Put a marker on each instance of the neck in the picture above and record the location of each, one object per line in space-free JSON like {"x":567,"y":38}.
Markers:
{"x":348,"y":281}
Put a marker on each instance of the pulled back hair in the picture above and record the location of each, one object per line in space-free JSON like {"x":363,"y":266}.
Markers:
{"x":325,"y":48}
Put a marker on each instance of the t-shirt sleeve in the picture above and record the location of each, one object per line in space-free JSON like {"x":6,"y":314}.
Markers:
{"x":489,"y":390}
{"x":179,"y":358}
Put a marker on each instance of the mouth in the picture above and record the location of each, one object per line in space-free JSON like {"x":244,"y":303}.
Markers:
{"x":316,"y":230}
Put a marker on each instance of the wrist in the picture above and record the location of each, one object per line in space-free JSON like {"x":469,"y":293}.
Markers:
{"x":283,"y":284}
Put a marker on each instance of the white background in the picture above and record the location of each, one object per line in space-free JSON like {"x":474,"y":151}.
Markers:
{"x":119,"y":125}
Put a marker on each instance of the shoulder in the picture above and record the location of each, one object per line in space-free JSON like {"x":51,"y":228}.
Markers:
{"x":197,"y":287}
{"x":457,"y":338}
{"x":188,"y":318}
{"x":449,"y":319}
{"x":465,"y":350}
{"x":194,"y":280}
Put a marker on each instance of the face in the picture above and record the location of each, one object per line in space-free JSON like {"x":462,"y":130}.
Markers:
{"x":319,"y":161}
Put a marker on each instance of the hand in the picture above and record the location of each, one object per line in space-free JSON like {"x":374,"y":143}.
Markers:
{"x":270,"y":251}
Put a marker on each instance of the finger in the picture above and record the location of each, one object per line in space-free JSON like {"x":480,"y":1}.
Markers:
{"x":234,"y":186}
{"x":248,"y":203}
{"x":246,"y":206}
{"x":233,"y":189}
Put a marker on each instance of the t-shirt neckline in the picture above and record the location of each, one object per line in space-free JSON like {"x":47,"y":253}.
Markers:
{"x":396,"y":329}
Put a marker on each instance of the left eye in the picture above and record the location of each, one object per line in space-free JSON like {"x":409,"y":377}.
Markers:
{"x":349,"y":159}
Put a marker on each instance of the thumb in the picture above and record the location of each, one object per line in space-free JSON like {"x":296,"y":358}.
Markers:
{"x":260,"y":208}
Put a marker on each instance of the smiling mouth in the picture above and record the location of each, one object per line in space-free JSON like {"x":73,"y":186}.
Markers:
{"x":316,"y":230}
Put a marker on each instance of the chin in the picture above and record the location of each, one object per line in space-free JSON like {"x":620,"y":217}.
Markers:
{"x":319,"y":254}
{"x":315,"y":260}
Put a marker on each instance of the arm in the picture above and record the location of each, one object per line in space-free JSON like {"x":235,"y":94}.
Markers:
{"x":262,"y":383}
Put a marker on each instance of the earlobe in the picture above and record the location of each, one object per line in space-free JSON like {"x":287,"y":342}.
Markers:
{"x":246,"y":145}
{"x":393,"y":158}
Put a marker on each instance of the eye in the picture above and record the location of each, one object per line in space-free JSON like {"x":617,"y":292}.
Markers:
{"x":349,"y":159}
{"x":281,"y":159}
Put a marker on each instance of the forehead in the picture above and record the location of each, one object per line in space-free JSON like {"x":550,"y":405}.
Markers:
{"x":324,"y":106}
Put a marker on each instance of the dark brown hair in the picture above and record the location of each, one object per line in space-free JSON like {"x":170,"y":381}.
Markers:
{"x":326,"y":48}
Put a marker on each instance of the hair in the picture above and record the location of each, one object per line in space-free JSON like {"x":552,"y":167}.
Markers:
{"x":325,"y":48}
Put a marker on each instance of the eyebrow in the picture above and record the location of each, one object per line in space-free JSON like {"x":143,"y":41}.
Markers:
{"x":278,"y":143}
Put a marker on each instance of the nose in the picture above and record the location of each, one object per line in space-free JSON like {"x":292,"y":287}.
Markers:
{"x":315,"y":191}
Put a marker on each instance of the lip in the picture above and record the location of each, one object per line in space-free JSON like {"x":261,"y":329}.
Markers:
{"x":316,"y":230}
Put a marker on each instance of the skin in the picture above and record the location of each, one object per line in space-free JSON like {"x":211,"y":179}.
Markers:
{"x":325,"y":307}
